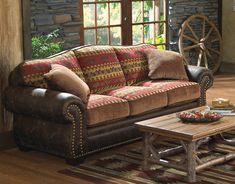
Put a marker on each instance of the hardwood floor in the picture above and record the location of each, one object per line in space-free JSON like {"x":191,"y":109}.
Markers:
{"x":17,"y":167}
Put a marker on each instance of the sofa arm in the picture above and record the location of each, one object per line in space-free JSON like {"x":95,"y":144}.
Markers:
{"x":43,"y":103}
{"x":203,"y":77}
{"x":64,"y":135}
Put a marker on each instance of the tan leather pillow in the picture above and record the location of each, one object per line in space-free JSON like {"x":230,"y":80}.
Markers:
{"x":164,"y":64}
{"x":68,"y":81}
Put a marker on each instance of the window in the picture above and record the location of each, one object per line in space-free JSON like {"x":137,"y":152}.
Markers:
{"x":127,"y":22}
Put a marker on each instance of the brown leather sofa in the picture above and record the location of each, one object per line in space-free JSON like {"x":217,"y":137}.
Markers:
{"x":60,"y":123}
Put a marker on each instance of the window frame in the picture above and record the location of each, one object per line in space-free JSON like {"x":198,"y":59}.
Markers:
{"x":126,"y":21}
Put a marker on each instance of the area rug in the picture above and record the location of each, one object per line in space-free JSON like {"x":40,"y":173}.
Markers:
{"x":123,"y":166}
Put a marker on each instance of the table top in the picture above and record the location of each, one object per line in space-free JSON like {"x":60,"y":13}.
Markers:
{"x":172,"y":127}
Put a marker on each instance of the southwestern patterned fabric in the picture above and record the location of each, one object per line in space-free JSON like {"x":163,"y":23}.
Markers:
{"x":101,"y":68}
{"x":177,"y":90}
{"x":32,"y":71}
{"x":134,"y":62}
{"x":101,"y":108}
{"x":141,"y":99}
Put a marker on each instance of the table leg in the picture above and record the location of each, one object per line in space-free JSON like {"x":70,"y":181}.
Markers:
{"x":146,"y":151}
{"x":191,"y":161}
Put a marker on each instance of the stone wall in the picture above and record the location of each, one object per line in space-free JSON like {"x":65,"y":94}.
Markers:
{"x":49,"y":15}
{"x":180,"y":10}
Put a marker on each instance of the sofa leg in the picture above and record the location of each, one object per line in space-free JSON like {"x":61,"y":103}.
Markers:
{"x":24,"y":148}
{"x":76,"y":161}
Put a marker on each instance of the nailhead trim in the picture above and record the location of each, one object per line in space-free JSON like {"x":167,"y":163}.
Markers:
{"x":73,"y":151}
{"x":205,"y":84}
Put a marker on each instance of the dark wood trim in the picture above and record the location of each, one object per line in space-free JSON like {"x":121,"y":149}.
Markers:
{"x":6,"y":140}
{"x":220,"y":15}
{"x":126,"y":20}
{"x":26,"y":27}
{"x":80,"y":12}
{"x":167,"y":24}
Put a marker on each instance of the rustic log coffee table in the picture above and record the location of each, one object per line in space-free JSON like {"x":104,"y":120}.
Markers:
{"x":190,"y":135}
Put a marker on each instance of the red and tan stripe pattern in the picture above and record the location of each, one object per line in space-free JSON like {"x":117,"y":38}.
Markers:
{"x":177,"y":90}
{"x":141,"y":99}
{"x":33,"y":70}
{"x":102,"y":108}
{"x":102,"y":100}
{"x":134,"y":62}
{"x":101,"y":68}
{"x":124,"y":166}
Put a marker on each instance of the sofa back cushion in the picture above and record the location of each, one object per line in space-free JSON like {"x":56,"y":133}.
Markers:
{"x":101,"y":68}
{"x":134,"y":62}
{"x":32,"y":71}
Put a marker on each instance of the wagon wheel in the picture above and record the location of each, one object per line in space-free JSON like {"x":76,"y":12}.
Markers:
{"x":200,"y":42}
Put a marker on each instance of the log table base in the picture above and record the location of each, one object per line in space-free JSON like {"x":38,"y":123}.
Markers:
{"x":190,"y":136}
{"x":190,"y":162}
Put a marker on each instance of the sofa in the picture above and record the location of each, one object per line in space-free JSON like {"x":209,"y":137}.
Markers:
{"x":121,"y":93}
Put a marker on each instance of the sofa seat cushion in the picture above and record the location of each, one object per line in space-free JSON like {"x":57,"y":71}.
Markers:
{"x":141,"y":99}
{"x":32,"y":71}
{"x":133,"y":61}
{"x":177,"y":90}
{"x":101,"y":68}
{"x":102,"y":108}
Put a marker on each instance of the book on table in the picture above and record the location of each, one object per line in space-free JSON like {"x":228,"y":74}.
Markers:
{"x":226,"y":111}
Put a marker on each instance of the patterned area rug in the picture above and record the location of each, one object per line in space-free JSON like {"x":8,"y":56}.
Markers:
{"x":124,"y":167}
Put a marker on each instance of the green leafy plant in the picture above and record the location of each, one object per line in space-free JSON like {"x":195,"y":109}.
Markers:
{"x":45,"y":45}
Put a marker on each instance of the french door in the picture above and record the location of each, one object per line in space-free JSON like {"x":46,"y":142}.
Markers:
{"x":126,"y":22}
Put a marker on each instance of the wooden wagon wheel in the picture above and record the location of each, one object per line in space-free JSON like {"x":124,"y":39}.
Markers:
{"x":200,"y":42}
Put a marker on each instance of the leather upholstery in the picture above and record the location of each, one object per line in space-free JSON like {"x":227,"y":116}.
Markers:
{"x":56,"y":122}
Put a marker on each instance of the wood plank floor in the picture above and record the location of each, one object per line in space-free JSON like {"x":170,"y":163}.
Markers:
{"x":39,"y":168}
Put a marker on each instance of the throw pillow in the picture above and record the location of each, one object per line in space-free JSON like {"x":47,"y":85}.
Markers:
{"x":133,"y":62}
{"x":68,"y":81}
{"x":164,"y":64}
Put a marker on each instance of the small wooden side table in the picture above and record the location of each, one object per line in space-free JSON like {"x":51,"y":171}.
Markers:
{"x":190,"y":135}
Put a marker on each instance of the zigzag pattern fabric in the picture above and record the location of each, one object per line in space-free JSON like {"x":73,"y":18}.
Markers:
{"x":32,"y":71}
{"x":101,"y":68}
{"x":134,"y":62}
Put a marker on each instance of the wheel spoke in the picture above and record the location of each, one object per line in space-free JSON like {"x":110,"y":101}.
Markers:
{"x":205,"y":60}
{"x":209,"y":33}
{"x":190,"y":38}
{"x":194,"y":34}
{"x":215,"y":40}
{"x":199,"y":58}
{"x":191,"y":47}
{"x":208,"y":53}
{"x":213,"y":50}
{"x":203,"y":28}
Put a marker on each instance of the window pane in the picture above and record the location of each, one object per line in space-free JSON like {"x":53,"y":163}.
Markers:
{"x":89,"y":36}
{"x":148,"y":11}
{"x":137,"y":12}
{"x":102,"y":14}
{"x":149,"y":33}
{"x":137,"y":34}
{"x":160,"y":36}
{"x":102,"y":36}
{"x":115,"y":13}
{"x":115,"y":35}
{"x":89,"y":14}
{"x":88,"y":1}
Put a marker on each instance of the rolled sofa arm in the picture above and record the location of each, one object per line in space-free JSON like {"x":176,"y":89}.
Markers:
{"x":203,"y":77}
{"x":47,"y":120}
{"x":43,"y":103}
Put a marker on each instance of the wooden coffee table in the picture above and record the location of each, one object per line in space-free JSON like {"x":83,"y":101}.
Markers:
{"x":190,"y":135}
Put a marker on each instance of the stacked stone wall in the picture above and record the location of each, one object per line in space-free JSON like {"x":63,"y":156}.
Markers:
{"x":180,"y":10}
{"x":50,"y":15}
